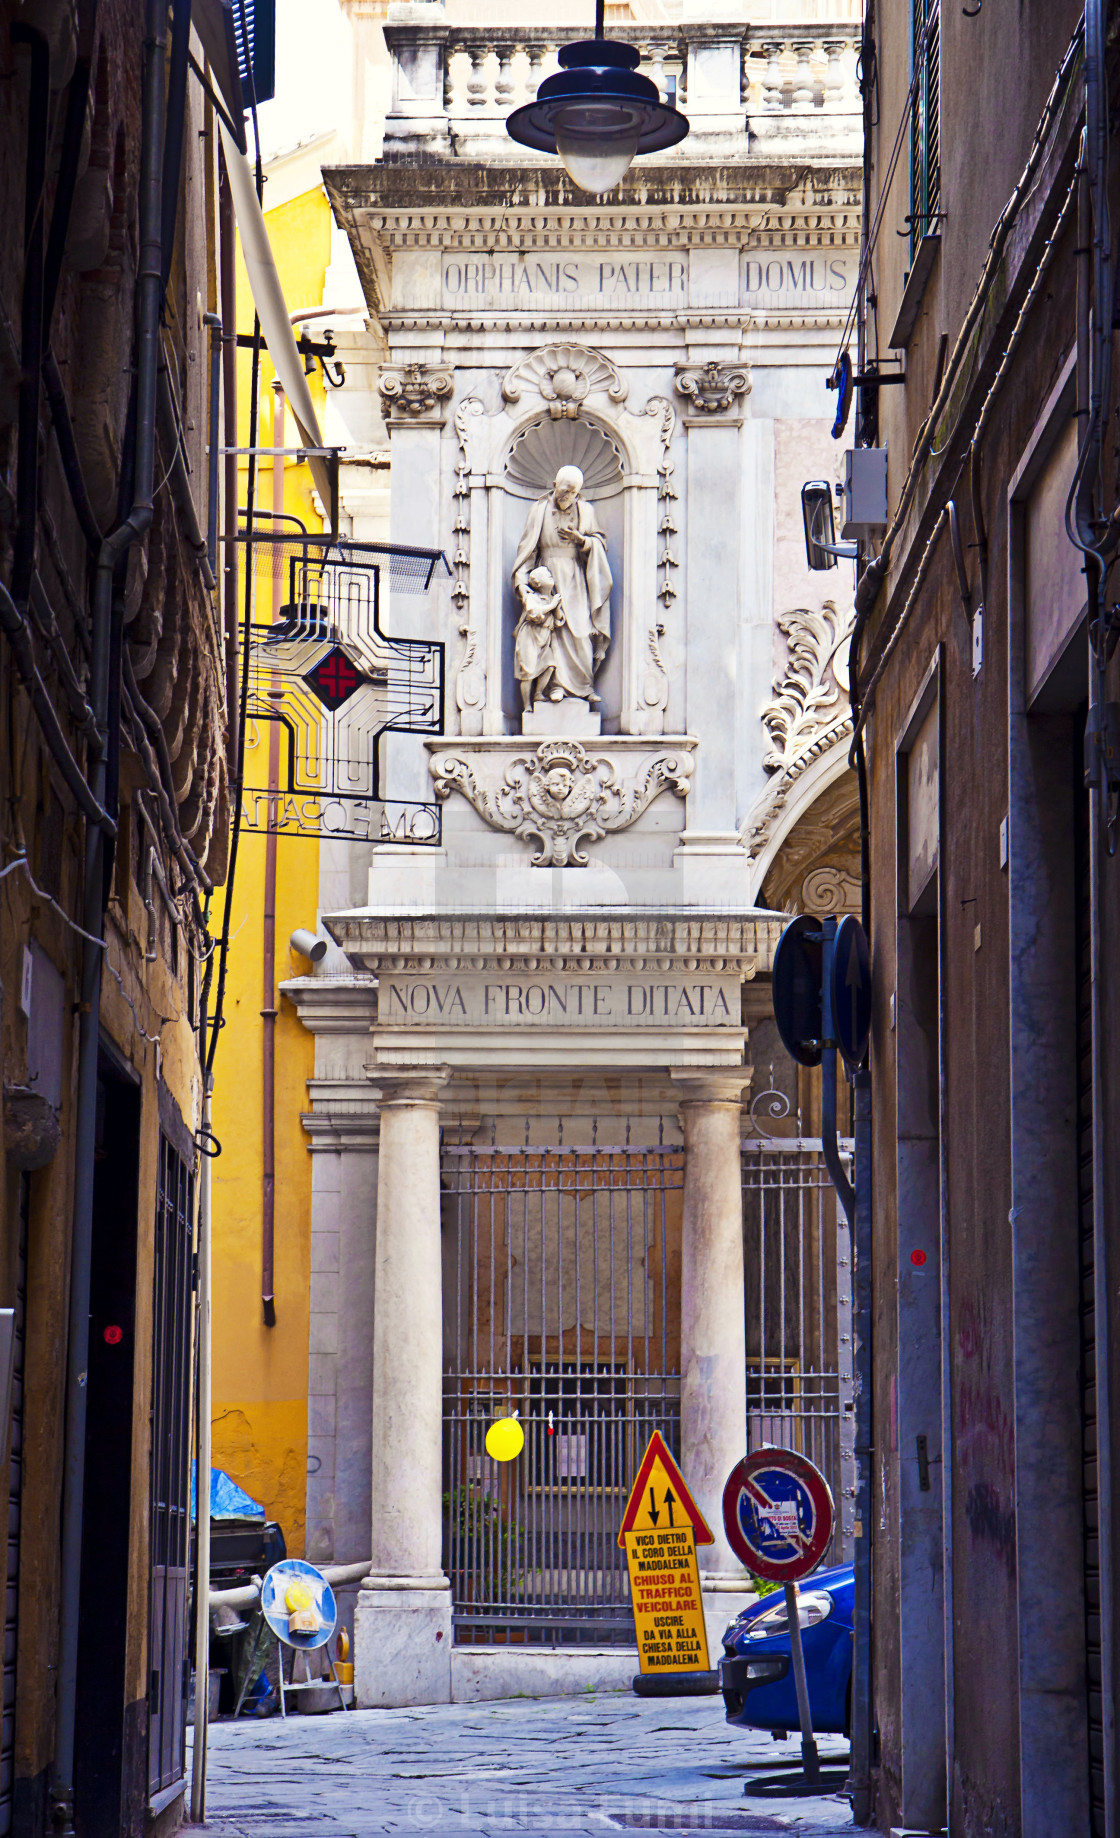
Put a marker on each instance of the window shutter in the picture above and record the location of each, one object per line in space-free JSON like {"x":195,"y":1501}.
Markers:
{"x":925,"y":119}
{"x":260,"y":27}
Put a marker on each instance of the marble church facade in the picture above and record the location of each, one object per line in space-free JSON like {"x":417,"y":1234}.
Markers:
{"x":584,"y":960}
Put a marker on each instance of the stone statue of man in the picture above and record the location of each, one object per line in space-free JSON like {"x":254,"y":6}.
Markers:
{"x":564,"y":630}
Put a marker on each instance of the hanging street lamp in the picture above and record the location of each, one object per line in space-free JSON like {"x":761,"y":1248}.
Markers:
{"x":597,"y":113}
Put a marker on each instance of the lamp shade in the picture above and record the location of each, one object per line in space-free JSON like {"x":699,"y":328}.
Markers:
{"x":597,"y":112}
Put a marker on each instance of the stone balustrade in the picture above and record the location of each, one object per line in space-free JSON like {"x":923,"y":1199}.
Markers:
{"x":454,"y":84}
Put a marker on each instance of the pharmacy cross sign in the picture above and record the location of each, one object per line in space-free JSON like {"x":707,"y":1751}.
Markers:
{"x":334,"y":679}
{"x":326,"y":683}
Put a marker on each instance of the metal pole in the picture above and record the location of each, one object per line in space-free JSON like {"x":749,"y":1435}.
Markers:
{"x":810,"y":1760}
{"x":859,"y":1778}
{"x":202,"y":1496}
{"x":856,"y":1202}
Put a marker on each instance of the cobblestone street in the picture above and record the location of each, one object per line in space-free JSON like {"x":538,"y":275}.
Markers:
{"x":607,"y":1763}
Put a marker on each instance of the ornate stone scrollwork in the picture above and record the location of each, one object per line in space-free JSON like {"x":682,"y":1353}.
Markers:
{"x":470,"y":676}
{"x":565,"y":375}
{"x":415,"y":393}
{"x":561,"y":795}
{"x":808,"y":714}
{"x":810,"y":692}
{"x":712,"y":388}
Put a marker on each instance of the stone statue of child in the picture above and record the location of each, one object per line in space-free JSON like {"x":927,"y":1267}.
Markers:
{"x":533,"y":658}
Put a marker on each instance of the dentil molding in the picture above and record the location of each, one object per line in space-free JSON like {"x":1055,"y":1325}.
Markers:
{"x":562,"y":794}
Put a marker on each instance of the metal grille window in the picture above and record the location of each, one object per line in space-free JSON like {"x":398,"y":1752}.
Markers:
{"x":560,"y":1286}
{"x":797,"y":1258}
{"x":925,"y":120}
{"x":170,"y":1499}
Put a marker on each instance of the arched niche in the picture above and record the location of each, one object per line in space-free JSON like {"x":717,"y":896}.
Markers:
{"x":536,"y":452}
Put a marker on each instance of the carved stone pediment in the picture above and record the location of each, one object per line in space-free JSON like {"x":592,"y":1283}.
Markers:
{"x":564,"y":375}
{"x":712,"y":388}
{"x":415,"y":394}
{"x":562,"y":794}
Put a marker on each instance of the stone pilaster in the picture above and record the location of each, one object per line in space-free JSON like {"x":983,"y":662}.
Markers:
{"x":713,"y":1327}
{"x":402,"y":1629}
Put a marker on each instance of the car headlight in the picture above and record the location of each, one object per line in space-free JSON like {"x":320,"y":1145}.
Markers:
{"x":813,"y":1605}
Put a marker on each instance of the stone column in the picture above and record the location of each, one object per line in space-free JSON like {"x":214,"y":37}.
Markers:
{"x":402,"y":1627}
{"x":713,"y":1325}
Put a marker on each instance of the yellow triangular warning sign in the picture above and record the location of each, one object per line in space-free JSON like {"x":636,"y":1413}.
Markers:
{"x":659,"y":1497}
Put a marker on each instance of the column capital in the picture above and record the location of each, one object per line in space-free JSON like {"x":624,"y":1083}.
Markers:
{"x":407,"y":1085}
{"x":699,"y":1086}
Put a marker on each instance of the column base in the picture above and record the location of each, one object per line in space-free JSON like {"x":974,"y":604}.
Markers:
{"x":724,"y":1596}
{"x":402,"y":1642}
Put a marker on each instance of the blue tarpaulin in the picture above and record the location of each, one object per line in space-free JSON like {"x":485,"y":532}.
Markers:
{"x":227,"y":1499}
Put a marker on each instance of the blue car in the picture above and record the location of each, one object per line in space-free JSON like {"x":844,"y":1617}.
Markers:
{"x":756,"y":1674}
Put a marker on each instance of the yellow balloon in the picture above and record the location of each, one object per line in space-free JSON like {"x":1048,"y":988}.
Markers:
{"x":297,"y":1596}
{"x":505,"y":1439}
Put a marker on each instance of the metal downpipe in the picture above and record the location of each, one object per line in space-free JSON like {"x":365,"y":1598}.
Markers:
{"x":113,"y":549}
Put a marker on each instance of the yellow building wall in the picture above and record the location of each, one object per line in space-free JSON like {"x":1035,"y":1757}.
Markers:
{"x":260,"y":1373}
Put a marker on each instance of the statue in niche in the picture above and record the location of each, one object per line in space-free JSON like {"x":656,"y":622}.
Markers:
{"x":563,"y":581}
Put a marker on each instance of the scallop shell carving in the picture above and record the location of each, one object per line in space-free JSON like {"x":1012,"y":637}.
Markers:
{"x":545,"y":445}
{"x":565,"y":375}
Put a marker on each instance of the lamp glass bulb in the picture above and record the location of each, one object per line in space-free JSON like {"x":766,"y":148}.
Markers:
{"x":597,"y":143}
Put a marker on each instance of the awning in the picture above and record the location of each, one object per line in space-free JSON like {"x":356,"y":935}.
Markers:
{"x":272,"y":308}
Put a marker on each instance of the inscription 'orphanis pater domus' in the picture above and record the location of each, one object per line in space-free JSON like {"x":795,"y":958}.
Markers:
{"x":790,"y":277}
{"x":559,"y":1001}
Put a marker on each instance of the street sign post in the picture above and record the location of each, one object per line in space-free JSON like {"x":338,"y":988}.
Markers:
{"x":778,"y":1516}
{"x":821,"y":1003}
{"x":660,"y":1530}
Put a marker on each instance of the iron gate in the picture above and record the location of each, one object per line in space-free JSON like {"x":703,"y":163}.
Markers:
{"x":797,"y":1259}
{"x":562,"y":1308}
{"x":561,"y":1285}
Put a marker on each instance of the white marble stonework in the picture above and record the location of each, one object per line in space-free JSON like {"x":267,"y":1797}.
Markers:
{"x":591,"y":913}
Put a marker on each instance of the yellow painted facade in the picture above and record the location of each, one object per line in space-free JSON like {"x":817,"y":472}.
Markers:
{"x":259,"y":1372}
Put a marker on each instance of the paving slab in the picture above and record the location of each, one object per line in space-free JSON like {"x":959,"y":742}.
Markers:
{"x":612,"y":1763}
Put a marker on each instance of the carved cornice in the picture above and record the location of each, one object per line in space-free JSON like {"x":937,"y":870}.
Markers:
{"x":561,"y":794}
{"x":608,"y":941}
{"x":712,"y":388}
{"x":437,"y":319}
{"x":416,"y":394}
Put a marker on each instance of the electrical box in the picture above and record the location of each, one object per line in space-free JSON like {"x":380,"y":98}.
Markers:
{"x":865,"y":492}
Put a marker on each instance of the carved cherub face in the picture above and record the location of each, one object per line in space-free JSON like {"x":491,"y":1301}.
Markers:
{"x":558,"y":782}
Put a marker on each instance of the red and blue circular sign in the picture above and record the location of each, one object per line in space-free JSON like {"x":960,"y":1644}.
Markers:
{"x":778,"y":1514}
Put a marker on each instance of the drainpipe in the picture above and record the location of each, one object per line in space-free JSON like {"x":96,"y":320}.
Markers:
{"x":227,"y":252}
{"x":107,"y":611}
{"x":202,"y":1490}
{"x":269,"y":1011}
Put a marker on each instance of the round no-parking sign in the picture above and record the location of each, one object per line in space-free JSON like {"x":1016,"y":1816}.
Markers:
{"x":778,"y":1514}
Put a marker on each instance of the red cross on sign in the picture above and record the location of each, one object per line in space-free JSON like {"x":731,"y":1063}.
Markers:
{"x":334,"y":678}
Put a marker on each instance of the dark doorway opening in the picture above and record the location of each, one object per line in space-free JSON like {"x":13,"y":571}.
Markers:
{"x":99,"y":1762}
